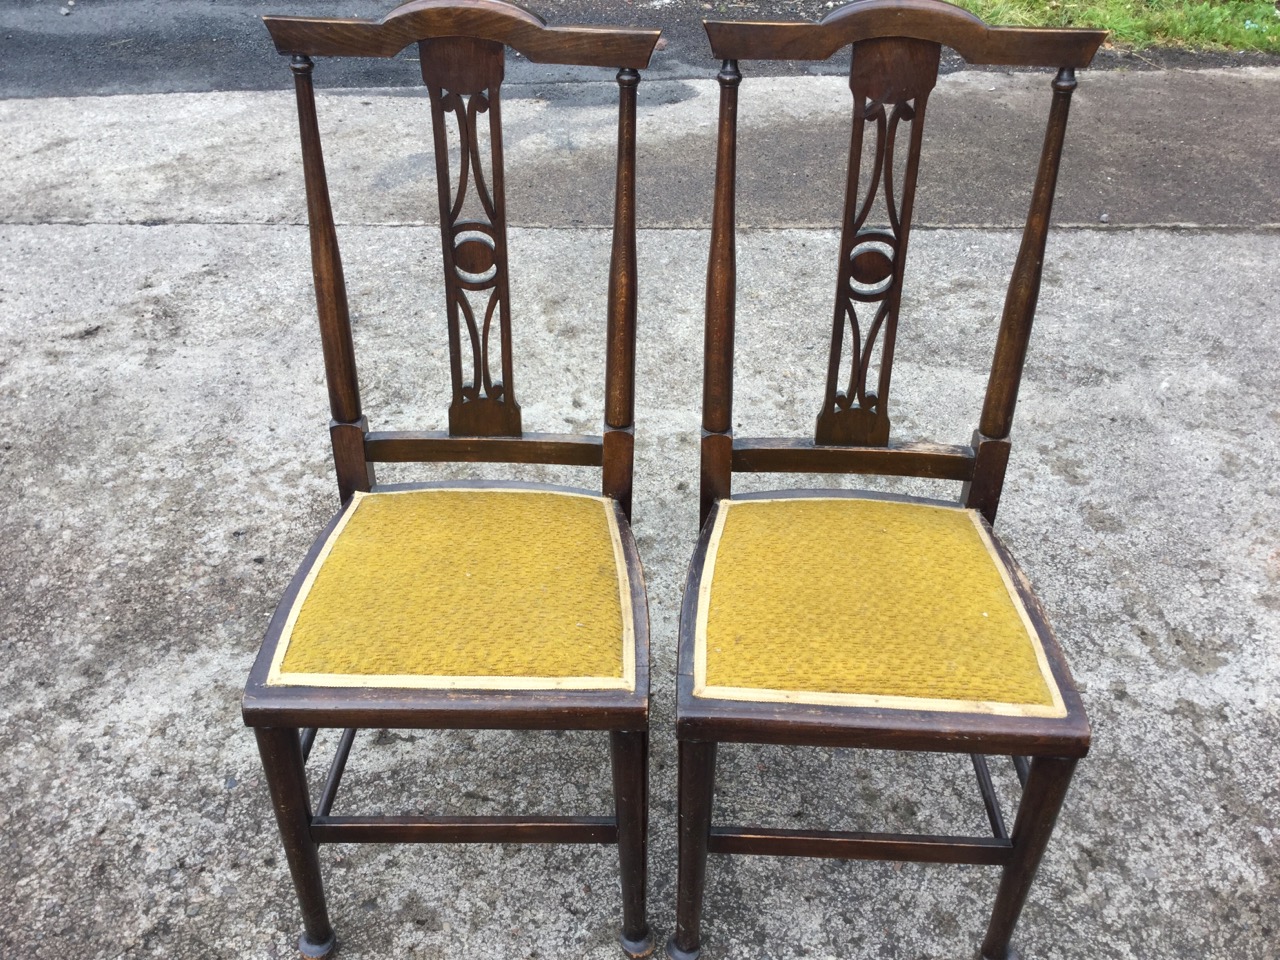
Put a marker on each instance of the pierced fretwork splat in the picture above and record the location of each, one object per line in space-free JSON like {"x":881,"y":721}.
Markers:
{"x":464,"y":77}
{"x":891,"y":80}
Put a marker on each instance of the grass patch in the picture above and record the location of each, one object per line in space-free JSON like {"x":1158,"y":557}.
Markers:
{"x":1194,"y":24}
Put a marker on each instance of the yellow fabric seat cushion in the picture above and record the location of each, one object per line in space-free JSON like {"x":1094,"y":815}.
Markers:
{"x":862,"y":602}
{"x":465,"y":589}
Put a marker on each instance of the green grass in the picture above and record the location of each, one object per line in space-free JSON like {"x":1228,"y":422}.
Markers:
{"x":1193,"y":24}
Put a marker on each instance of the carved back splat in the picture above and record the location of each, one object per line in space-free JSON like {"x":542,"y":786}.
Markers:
{"x":891,"y":79}
{"x":463,"y":77}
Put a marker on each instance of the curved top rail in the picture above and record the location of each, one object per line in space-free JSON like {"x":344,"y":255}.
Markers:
{"x":931,"y":20}
{"x":495,"y":20}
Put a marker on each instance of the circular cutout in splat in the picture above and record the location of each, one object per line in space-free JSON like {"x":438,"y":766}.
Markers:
{"x":474,"y":256}
{"x":871,"y":265}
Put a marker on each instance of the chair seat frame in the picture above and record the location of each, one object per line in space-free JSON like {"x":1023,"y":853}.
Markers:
{"x":803,"y":724}
{"x":422,"y":709}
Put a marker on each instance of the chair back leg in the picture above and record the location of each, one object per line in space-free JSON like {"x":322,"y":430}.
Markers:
{"x":281,"y":750}
{"x":630,"y":755}
{"x":1042,"y":798}
{"x":697,"y":793}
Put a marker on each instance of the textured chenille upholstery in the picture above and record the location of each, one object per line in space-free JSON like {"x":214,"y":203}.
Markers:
{"x":505,"y":589}
{"x":794,"y":608}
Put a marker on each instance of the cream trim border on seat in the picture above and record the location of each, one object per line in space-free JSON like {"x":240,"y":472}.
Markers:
{"x":765,"y":695}
{"x":276,"y":677}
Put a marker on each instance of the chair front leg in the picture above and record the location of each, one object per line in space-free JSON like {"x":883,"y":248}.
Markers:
{"x":697,"y":793}
{"x":1042,"y":798}
{"x":281,"y":752}
{"x":630,"y":753}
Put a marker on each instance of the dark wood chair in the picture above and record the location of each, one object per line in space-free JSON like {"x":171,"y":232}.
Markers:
{"x":942,"y":645}
{"x":463,"y":605}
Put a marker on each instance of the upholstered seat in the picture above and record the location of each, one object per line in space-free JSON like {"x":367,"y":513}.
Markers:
{"x":465,"y":589}
{"x":787,"y":613}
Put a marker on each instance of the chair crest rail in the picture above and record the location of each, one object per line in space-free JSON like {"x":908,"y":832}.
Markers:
{"x":931,"y":20}
{"x":491,"y":20}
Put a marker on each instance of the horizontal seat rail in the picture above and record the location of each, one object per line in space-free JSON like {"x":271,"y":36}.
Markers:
{"x":327,"y":829}
{"x":905,"y":459}
{"x":845,"y":845}
{"x":437,"y":446}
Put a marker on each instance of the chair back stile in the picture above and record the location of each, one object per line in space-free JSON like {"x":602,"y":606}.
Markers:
{"x":722,"y":281}
{"x":896,"y":48}
{"x":463,"y":76}
{"x":991,"y":439}
{"x":620,"y":348}
{"x":348,"y":425}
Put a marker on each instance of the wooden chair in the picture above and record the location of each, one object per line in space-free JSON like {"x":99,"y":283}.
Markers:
{"x":941,"y":646}
{"x":463,"y":605}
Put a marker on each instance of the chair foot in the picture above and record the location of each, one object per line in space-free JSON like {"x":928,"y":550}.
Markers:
{"x":1009,"y":954}
{"x":637,"y":949}
{"x":309,"y":948}
{"x":675,"y":953}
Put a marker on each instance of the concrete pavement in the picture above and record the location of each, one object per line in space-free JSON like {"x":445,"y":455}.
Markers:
{"x":1168,"y":148}
{"x":163,"y":415}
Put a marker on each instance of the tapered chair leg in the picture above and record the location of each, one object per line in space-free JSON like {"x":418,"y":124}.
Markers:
{"x":630,"y":753}
{"x":697,"y":792}
{"x":1042,"y":798}
{"x":281,"y":753}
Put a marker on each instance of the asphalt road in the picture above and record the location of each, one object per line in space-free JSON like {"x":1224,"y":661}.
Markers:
{"x":164,"y":46}
{"x":79,"y":47}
